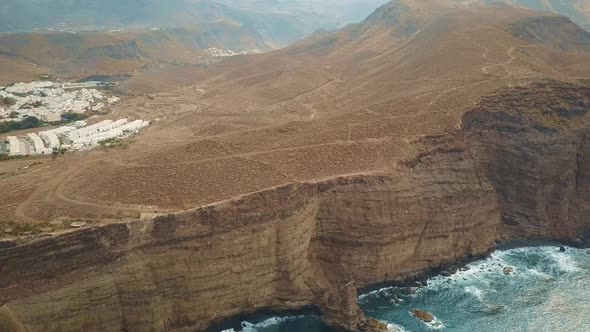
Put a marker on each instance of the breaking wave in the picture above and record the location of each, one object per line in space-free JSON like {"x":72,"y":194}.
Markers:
{"x":523,"y":289}
{"x":267,"y":323}
{"x":478,"y":293}
{"x":516,"y":289}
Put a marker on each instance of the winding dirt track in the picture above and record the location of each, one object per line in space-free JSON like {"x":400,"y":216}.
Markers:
{"x":62,"y":181}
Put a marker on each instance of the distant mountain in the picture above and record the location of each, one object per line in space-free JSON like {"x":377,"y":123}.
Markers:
{"x":577,"y":10}
{"x":331,"y":12}
{"x":112,"y":53}
{"x":278,"y":22}
{"x":401,"y":43}
{"x":73,"y":37}
{"x":76,"y":37}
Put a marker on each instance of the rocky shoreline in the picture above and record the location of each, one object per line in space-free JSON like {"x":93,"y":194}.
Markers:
{"x":418,"y":281}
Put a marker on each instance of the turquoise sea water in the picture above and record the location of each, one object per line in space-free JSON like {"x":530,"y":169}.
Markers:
{"x":548,"y":291}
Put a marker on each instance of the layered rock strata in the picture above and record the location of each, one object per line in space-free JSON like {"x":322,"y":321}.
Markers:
{"x":532,"y":143}
{"x":304,"y":244}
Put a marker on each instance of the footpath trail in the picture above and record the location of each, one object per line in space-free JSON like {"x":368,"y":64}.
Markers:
{"x":253,"y":153}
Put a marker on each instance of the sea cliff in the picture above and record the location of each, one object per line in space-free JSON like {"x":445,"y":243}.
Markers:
{"x":510,"y":172}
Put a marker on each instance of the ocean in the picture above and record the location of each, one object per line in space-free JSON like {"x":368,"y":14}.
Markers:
{"x":548,"y":290}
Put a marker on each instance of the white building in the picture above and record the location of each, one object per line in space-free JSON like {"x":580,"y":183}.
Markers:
{"x":73,"y":138}
{"x":14,"y":146}
{"x":48,"y":101}
{"x":50,"y":139}
{"x":50,"y":117}
{"x":38,"y":144}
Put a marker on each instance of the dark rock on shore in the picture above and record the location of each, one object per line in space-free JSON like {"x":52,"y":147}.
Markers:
{"x":423,"y":315}
{"x":373,"y":325}
{"x":446,"y":273}
{"x":494,"y":309}
{"x":508,"y":270}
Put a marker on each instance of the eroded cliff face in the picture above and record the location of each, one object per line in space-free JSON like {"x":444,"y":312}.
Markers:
{"x":519,"y":169}
{"x":308,"y":244}
{"x":533,"y":145}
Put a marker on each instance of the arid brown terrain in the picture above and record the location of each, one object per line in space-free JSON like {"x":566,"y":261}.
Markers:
{"x":288,"y":179}
{"x":73,"y":56}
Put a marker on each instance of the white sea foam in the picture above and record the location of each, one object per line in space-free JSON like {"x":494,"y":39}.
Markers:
{"x":564,"y":262}
{"x":381,"y":291}
{"x":395,"y":328}
{"x":250,"y":327}
{"x":476,"y":271}
{"x":478,"y":293}
{"x":535,"y":273}
{"x":436,"y":324}
{"x":485,"y":282}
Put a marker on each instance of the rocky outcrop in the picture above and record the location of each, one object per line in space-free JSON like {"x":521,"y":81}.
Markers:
{"x":373,"y":325}
{"x":423,"y":315}
{"x":508,"y":270}
{"x":532,"y":144}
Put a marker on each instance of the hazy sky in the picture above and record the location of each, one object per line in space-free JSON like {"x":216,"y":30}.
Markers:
{"x":347,"y":11}
{"x":284,"y":20}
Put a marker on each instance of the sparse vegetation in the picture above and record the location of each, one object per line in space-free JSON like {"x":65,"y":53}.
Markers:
{"x":21,"y":229}
{"x":32,"y":105}
{"x":5,"y":157}
{"x":72,"y":117}
{"x":56,"y":152}
{"x":7,"y":101}
{"x":116,"y":143}
{"x":27,"y":123}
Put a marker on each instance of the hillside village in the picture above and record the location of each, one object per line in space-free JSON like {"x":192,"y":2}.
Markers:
{"x":49,"y":101}
{"x":75,"y":137}
{"x":46,"y":102}
{"x":223,"y":53}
